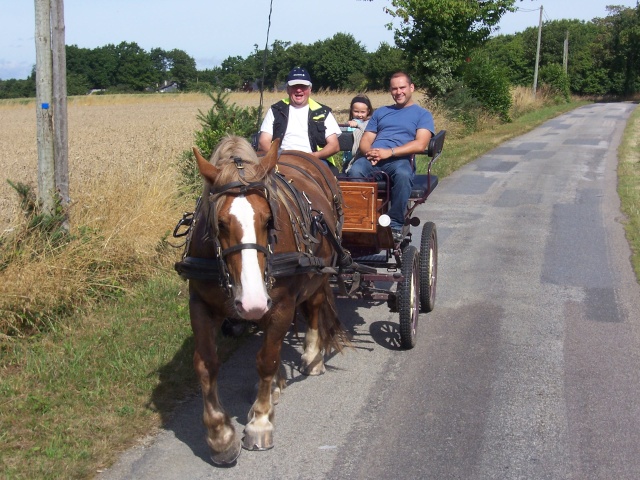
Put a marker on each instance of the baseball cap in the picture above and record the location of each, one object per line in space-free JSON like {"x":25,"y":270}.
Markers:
{"x":298,"y":76}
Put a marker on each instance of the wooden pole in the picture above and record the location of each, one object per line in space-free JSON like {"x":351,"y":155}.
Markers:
{"x":61,"y":140}
{"x":535,"y":73}
{"x":44,"y":117}
{"x":565,"y":53}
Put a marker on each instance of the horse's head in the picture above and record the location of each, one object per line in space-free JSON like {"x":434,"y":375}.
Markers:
{"x":241,"y":220}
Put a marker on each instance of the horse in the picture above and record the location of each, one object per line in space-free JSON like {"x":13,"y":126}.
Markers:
{"x":263,"y":243}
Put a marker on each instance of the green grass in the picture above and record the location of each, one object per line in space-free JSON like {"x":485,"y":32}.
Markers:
{"x":73,"y":398}
{"x":629,"y":185}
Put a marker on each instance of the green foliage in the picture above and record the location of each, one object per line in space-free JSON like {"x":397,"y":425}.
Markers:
{"x":488,"y":83}
{"x":437,"y":35}
{"x":221,"y":119}
{"x":554,"y":77}
{"x":383,"y":63}
{"x":336,"y":60}
{"x":13,"y":88}
{"x":462,"y":106}
{"x":508,"y":51}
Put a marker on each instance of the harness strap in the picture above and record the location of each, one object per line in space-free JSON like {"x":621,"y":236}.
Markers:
{"x":244,"y":246}
{"x":330,"y":183}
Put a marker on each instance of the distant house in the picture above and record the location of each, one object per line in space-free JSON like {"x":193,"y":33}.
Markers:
{"x":168,"y":87}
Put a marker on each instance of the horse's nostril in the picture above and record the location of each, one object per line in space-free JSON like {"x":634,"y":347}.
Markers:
{"x":269,"y":304}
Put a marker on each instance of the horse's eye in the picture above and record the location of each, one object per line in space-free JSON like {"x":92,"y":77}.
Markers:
{"x":222,"y":227}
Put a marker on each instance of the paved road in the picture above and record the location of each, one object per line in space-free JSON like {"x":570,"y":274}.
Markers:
{"x":528,"y":368}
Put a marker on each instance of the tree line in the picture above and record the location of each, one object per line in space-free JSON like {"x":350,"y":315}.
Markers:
{"x":447,"y":46}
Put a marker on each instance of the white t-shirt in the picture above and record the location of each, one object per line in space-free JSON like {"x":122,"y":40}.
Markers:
{"x":297,"y":135}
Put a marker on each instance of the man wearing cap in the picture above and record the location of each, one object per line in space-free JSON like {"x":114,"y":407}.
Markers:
{"x":301,"y":122}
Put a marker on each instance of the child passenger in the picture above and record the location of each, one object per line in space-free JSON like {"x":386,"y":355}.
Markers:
{"x":359,"y":114}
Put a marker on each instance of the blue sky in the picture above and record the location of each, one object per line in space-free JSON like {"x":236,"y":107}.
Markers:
{"x":211,"y":30}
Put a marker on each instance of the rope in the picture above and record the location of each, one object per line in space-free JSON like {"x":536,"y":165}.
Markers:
{"x":264,"y":68}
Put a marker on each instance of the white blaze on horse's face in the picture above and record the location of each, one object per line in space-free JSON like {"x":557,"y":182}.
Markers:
{"x":252,"y":299}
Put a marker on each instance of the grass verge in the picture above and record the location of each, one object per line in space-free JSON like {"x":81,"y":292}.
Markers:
{"x":72,"y":399}
{"x":629,"y":185}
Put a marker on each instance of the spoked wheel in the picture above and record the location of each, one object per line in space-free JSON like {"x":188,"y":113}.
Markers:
{"x":408,"y":297}
{"x":428,"y":266}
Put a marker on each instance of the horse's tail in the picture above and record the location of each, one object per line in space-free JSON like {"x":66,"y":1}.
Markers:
{"x":331,"y":332}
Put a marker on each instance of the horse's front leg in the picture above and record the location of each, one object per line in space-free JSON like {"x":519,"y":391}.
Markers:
{"x":221,"y":435}
{"x":258,"y":433}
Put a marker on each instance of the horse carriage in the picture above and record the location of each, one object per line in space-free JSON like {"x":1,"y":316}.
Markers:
{"x":377,"y":257}
{"x":280,"y":234}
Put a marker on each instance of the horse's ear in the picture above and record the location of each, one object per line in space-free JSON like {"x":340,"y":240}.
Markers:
{"x":207,"y":170}
{"x":271,"y":158}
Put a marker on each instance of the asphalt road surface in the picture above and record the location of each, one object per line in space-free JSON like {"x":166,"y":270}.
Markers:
{"x":528,"y":368}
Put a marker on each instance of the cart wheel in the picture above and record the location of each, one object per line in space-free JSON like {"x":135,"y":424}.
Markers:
{"x":408,"y":297}
{"x":428,"y":267}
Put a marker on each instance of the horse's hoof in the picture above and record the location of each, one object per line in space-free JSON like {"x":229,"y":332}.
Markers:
{"x":313,"y":368}
{"x":258,"y":442}
{"x":229,"y":456}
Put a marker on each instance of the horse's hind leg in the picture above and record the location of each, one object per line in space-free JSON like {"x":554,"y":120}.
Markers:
{"x":258,"y":433}
{"x":313,"y":355}
{"x":221,"y":435}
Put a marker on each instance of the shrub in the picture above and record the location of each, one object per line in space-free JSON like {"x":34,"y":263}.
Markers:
{"x":554,"y":77}
{"x":222,"y":119}
{"x":489,"y":83}
{"x":462,"y":106}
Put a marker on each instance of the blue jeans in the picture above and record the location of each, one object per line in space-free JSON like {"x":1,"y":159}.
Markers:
{"x":401,"y":175}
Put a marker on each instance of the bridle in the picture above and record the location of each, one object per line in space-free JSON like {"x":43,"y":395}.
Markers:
{"x":241,"y":188}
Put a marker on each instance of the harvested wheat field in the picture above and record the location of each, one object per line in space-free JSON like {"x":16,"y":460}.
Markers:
{"x":118,"y":145}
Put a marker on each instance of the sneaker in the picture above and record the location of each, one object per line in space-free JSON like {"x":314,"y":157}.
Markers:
{"x":397,"y":236}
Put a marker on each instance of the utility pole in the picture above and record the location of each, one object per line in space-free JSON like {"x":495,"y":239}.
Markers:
{"x":51,"y":107}
{"x":565,"y":52}
{"x":44,"y":97}
{"x":535,"y":73}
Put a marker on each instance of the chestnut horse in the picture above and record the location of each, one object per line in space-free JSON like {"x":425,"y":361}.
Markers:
{"x":263,"y":242}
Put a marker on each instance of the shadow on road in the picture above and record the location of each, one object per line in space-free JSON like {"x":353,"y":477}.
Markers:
{"x":238,"y":376}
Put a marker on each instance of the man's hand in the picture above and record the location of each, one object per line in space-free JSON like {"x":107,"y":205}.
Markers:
{"x":375,"y":155}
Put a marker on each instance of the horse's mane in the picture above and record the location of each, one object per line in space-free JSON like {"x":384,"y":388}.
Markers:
{"x":231,"y":147}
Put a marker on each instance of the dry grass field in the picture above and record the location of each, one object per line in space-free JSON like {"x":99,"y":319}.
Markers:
{"x":116,"y":143}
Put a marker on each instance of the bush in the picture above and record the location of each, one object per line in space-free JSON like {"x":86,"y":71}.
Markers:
{"x":558,"y":82}
{"x":489,"y":83}
{"x":462,"y":106}
{"x":222,"y":119}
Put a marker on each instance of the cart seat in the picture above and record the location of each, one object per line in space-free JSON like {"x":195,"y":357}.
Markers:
{"x":423,"y":185}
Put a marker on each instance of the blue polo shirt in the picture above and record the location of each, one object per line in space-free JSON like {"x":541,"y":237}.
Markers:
{"x":395,"y":126}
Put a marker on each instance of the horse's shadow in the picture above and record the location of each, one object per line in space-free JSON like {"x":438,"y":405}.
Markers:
{"x":238,"y":376}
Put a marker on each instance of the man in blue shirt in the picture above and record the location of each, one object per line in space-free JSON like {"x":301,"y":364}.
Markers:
{"x":393,"y":135}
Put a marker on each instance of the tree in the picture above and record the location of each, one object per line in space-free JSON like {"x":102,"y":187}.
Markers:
{"x":336,"y":60}
{"x":182,"y":68}
{"x":623,"y":44}
{"x":437,"y":35}
{"x":383,"y":63}
{"x":103,"y":65}
{"x":135,"y":68}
